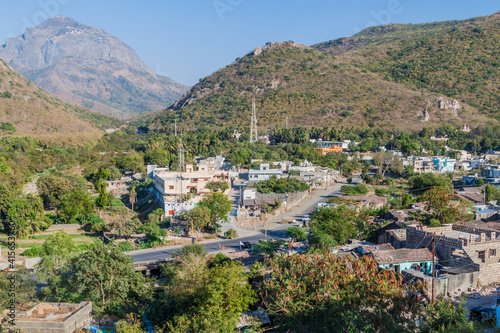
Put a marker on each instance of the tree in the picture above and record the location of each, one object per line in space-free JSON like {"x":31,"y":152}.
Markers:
{"x":131,"y":325}
{"x":333,"y":226}
{"x":219,"y":206}
{"x":58,"y":244}
{"x":124,"y":227}
{"x":104,"y":276}
{"x":296,"y":233}
{"x":425,"y":181}
{"x":383,"y":161}
{"x":443,"y":317}
{"x":73,"y":204}
{"x":479,"y":182}
{"x":438,"y":203}
{"x":102,"y":200}
{"x":27,"y":215}
{"x":133,"y":195}
{"x":25,"y":290}
{"x":219,"y":186}
{"x":55,"y":186}
{"x":114,"y":173}
{"x":329,"y":293}
{"x":216,"y":299}
{"x":488,"y":193}
{"x":198,"y":218}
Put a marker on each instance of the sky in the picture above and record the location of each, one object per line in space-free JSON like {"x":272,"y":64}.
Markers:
{"x":190,"y":39}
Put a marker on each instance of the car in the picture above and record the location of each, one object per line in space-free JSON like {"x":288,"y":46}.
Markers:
{"x":245,"y":245}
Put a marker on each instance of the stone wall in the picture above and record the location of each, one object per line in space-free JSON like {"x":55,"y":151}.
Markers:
{"x":65,"y":227}
{"x":489,"y":274}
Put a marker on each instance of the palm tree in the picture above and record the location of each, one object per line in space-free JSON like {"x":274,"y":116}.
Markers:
{"x":23,"y":228}
{"x":133,"y":197}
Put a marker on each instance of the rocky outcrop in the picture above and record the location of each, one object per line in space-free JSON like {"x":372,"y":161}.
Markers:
{"x":89,"y":67}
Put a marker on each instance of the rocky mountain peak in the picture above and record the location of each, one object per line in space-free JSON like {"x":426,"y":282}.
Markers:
{"x":89,"y":67}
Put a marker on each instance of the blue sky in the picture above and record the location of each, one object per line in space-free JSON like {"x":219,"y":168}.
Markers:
{"x":187,"y":40}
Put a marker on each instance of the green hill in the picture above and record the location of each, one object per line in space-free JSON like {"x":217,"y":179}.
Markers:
{"x":397,"y":76}
{"x":309,"y":87}
{"x":460,"y":59}
{"x":27,"y":110}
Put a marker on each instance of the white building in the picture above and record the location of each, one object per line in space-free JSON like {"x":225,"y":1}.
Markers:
{"x":170,"y":186}
{"x":264,"y":173}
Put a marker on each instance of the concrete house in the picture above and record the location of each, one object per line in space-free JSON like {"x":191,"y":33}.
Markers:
{"x":403,"y":259}
{"x":169,"y":185}
{"x":264,"y":173}
{"x":462,"y":245}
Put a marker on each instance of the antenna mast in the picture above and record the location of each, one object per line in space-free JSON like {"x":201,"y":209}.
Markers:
{"x":253,"y":124}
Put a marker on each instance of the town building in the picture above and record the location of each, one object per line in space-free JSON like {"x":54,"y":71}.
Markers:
{"x":403,"y":259}
{"x":462,"y":245}
{"x":422,"y":165}
{"x":333,"y":149}
{"x":330,"y":144}
{"x":181,"y":191}
{"x":264,"y":173}
{"x":491,"y":171}
{"x":444,"y":164}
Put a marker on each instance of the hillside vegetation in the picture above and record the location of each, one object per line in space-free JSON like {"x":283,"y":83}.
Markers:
{"x":25,"y":109}
{"x":460,"y":59}
{"x":398,"y":76}
{"x":309,"y":87}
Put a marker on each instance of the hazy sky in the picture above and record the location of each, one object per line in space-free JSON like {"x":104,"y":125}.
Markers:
{"x":187,"y":40}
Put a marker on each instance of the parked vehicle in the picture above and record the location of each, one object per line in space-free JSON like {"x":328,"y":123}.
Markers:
{"x":245,"y":245}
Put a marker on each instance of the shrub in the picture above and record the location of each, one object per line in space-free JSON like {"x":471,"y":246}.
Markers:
{"x":125,"y":246}
{"x":230,"y":234}
{"x":7,"y":127}
{"x":359,"y":189}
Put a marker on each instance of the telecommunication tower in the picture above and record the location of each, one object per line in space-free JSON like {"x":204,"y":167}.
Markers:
{"x":253,"y":124}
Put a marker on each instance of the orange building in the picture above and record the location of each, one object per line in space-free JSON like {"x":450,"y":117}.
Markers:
{"x":333,"y":149}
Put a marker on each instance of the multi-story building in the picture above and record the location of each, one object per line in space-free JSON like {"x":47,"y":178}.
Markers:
{"x":471,"y":246}
{"x":444,"y":164}
{"x":173,"y":188}
{"x":264,"y":173}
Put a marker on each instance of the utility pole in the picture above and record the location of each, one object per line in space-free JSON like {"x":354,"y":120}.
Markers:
{"x":433,"y":265}
{"x":286,"y":122}
{"x":265,"y":210}
{"x":181,"y":167}
{"x":253,"y":123}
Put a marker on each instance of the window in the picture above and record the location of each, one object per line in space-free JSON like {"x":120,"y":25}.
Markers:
{"x":170,"y":187}
{"x":482,"y":255}
{"x":493,"y":252}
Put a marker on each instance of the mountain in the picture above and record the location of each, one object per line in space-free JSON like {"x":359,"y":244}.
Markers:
{"x":456,"y":58}
{"x":311,"y":88}
{"x":27,"y":110}
{"x":398,"y":76}
{"x":89,"y":67}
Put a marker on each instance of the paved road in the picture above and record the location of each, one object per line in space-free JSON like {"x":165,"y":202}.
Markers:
{"x":275,"y":230}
